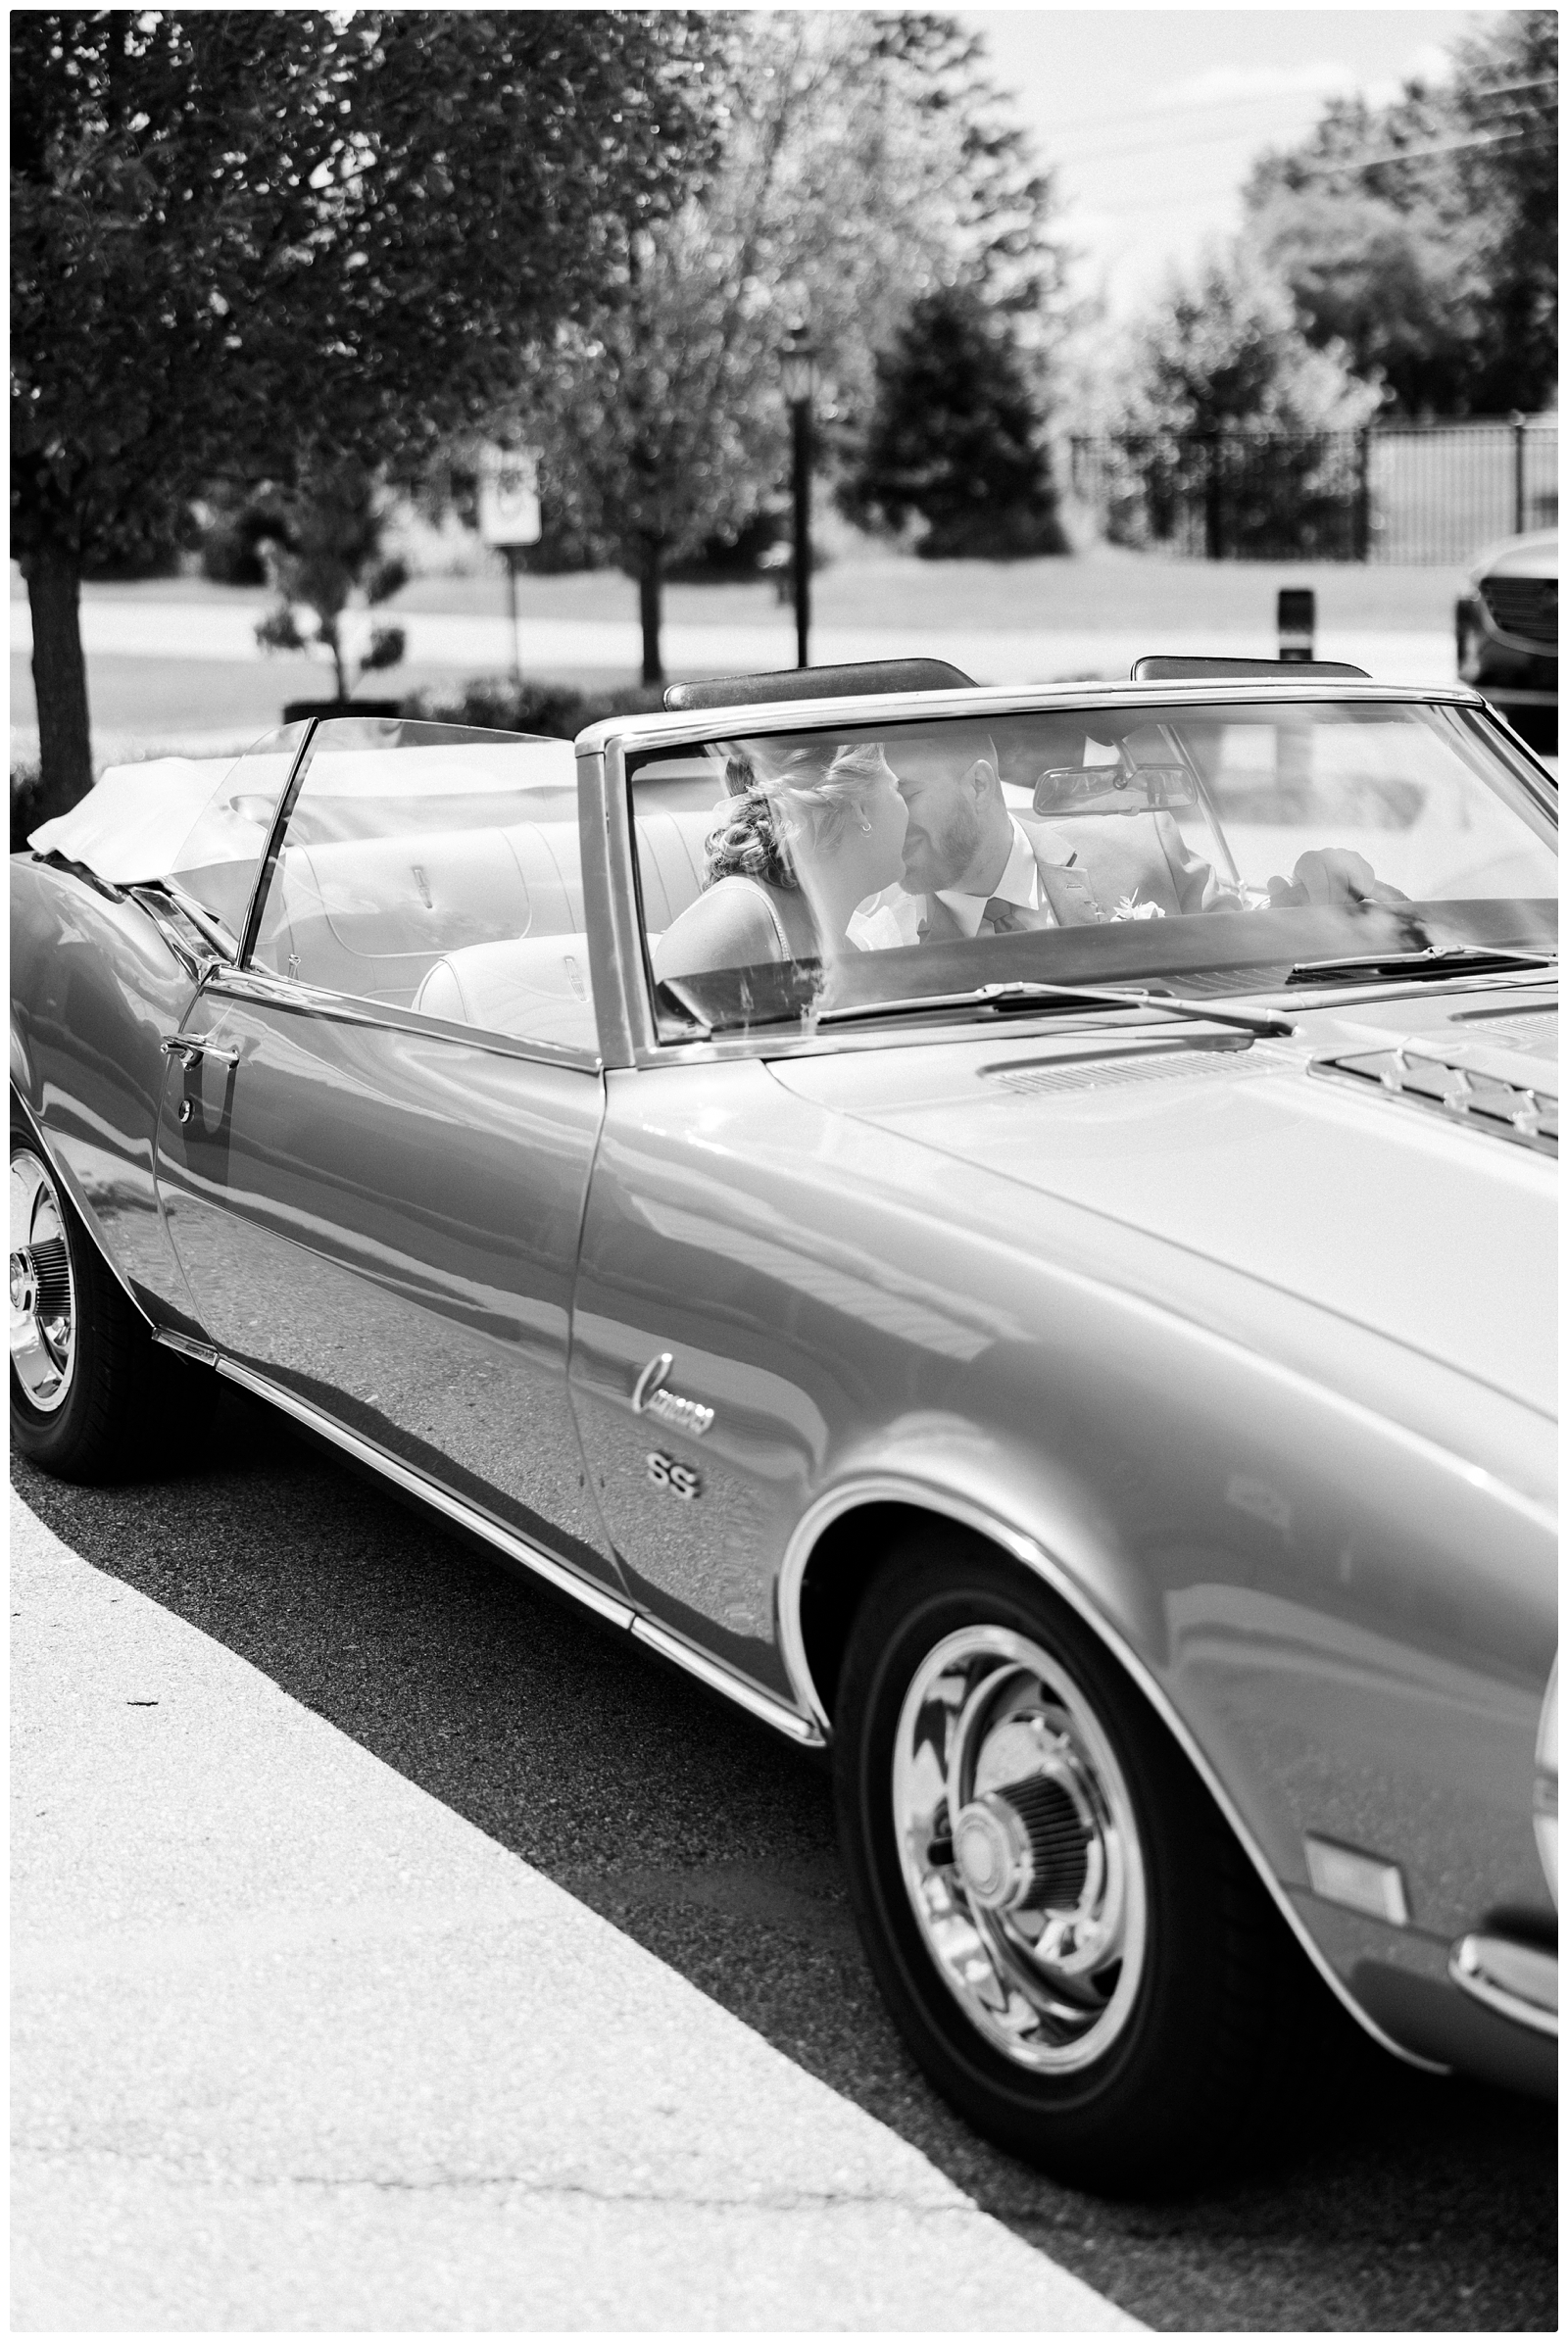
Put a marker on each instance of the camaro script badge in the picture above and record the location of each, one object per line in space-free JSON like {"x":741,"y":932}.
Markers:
{"x":649,"y":1397}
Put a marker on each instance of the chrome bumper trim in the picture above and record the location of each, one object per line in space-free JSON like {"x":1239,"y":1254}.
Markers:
{"x":1519,"y":1980}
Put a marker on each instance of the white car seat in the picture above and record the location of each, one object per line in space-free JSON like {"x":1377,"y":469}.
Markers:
{"x":379,"y":917}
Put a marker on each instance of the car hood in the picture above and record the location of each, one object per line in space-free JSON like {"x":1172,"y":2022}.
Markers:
{"x":1520,"y":556}
{"x":1376,"y":1207}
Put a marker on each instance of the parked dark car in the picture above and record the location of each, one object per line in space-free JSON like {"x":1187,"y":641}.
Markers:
{"x":1507,"y":630}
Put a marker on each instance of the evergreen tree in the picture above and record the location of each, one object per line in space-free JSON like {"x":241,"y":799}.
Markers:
{"x":954,"y":437}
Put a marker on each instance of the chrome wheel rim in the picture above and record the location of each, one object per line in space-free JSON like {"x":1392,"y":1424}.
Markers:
{"x":1020,"y":1849}
{"x":44,"y":1286}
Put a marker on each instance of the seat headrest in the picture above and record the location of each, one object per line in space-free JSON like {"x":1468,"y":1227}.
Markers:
{"x":864,"y":676}
{"x":1158,"y":670}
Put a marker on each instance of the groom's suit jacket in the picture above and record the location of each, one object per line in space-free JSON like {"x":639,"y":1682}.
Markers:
{"x":1092,"y":865}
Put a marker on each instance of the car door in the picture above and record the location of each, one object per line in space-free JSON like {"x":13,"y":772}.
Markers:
{"x":375,"y":1164}
{"x":730,"y":1250}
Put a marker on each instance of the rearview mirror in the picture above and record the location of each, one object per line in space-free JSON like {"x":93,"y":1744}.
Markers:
{"x":1071,"y":789}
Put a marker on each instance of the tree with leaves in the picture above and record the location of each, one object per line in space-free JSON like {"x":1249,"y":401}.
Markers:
{"x":863,"y":161}
{"x":956,"y":437}
{"x":246,"y":240}
{"x":1217,"y":365}
{"x":1220,"y":349}
{"x":1385,"y":285}
{"x":1423,"y":235}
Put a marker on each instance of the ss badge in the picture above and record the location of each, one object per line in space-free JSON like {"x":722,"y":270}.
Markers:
{"x":680,"y":1479}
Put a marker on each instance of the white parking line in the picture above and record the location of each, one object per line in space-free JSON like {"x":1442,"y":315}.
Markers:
{"x":295,"y":2046}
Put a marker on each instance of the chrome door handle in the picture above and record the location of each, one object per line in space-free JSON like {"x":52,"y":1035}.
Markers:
{"x":188,"y":1046}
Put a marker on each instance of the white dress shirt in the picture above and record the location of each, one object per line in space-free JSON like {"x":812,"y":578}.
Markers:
{"x":1019,"y":883}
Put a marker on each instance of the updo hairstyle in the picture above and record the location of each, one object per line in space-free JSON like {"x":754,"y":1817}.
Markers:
{"x":750,"y":842}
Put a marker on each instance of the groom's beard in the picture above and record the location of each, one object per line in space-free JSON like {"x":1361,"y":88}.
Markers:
{"x":949,"y":853}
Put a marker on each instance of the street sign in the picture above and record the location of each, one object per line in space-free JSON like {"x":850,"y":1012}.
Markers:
{"x":509,"y":496}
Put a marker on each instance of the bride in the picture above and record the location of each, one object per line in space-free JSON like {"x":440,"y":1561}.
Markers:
{"x":791,"y":873}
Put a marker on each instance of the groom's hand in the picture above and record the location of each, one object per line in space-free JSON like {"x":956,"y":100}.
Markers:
{"x":1331,"y":875}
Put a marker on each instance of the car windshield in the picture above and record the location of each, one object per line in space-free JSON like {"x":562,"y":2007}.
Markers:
{"x":1208,"y":847}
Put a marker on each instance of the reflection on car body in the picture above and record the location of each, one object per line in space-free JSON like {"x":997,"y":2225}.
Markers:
{"x":1044,"y":1290}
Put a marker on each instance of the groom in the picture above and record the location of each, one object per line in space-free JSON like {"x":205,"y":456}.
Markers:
{"x":985,"y":871}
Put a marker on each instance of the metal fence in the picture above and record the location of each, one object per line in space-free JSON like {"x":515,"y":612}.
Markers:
{"x":1419,"y":492}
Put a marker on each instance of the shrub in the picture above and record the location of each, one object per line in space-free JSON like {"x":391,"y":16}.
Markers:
{"x":502,"y":704}
{"x":751,"y":548}
{"x":233,"y":533}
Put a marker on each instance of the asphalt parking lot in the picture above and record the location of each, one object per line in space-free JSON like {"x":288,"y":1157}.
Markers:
{"x":1418,"y":2204}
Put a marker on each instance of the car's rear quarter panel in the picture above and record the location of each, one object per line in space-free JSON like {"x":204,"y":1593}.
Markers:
{"x":94,"y":987}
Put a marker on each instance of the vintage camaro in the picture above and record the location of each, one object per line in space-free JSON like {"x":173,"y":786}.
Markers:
{"x":1010,"y":1232}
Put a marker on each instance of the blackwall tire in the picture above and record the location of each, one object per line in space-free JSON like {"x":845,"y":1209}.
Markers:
{"x":1138,"y":2010}
{"x":92,"y":1397}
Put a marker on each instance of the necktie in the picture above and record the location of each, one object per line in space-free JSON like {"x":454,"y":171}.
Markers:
{"x":1003,"y":918}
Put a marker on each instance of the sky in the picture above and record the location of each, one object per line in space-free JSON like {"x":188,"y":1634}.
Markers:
{"x":1153,"y":116}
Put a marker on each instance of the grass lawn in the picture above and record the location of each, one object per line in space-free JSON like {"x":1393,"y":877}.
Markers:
{"x":1104,"y":587}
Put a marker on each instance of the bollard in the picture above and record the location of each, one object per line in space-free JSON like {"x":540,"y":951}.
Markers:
{"x":1297,"y":624}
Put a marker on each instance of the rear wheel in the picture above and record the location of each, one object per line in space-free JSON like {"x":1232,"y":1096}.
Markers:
{"x":1070,"y":1937}
{"x":91,"y":1395}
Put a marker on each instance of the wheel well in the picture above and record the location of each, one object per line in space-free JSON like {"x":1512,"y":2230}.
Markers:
{"x":23,"y":1116}
{"x":842,"y":1562}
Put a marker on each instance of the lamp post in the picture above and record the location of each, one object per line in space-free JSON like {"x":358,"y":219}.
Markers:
{"x":798,"y":367}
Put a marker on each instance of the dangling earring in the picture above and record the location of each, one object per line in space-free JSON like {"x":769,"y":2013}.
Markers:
{"x":867,"y":826}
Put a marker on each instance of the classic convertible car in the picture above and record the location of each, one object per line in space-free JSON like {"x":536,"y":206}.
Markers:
{"x":1008,"y":1232}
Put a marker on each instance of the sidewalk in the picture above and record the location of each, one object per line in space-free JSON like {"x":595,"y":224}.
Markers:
{"x":295,"y":2047}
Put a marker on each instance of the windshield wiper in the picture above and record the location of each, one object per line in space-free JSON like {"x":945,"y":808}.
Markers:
{"x":1022,"y":997}
{"x":1470,"y":959}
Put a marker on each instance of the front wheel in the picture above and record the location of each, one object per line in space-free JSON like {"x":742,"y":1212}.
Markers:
{"x":91,"y":1396}
{"x":1067,"y":1931}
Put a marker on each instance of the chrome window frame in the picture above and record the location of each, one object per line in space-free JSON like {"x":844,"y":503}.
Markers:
{"x":240,"y":979}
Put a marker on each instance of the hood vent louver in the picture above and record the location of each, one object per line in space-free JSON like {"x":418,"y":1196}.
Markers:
{"x":1532,"y":1029}
{"x":1480,"y":1101}
{"x":1078,"y":1074}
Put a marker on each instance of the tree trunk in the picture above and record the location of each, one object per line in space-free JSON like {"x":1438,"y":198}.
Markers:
{"x":1215,"y":502}
{"x":651,"y":606}
{"x":328,"y":634}
{"x":59,"y":679}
